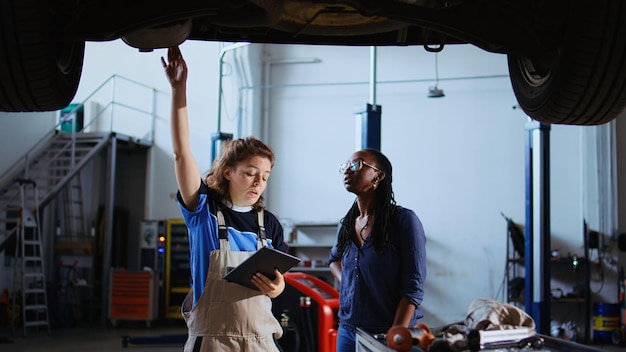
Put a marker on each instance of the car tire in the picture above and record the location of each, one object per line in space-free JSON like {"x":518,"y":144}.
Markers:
{"x":584,"y":81}
{"x":43,"y":73}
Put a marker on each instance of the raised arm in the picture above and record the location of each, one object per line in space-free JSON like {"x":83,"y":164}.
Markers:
{"x":186,"y":167}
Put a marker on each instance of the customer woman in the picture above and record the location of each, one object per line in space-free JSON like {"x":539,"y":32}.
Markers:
{"x":380,"y":256}
{"x":225,"y":216}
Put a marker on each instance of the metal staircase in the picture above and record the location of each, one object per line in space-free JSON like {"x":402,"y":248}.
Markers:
{"x":57,"y":166}
{"x":56,"y":160}
{"x":54,"y":167}
{"x":52,"y":171}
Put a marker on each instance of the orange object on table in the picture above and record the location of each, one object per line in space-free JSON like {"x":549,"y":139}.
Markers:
{"x":401,"y":338}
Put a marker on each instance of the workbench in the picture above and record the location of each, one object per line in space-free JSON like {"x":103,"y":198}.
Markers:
{"x":373,"y":340}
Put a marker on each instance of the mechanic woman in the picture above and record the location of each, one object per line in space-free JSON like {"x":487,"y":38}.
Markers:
{"x":380,"y":255}
{"x":227,"y":223}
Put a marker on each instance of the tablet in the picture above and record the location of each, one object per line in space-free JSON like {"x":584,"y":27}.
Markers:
{"x":263,"y":261}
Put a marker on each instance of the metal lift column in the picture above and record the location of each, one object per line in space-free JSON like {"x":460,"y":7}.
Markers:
{"x":537,"y":229}
{"x":368,"y":121}
{"x":370,"y":127}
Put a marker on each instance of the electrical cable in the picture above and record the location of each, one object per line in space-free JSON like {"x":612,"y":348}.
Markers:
{"x":305,"y":305}
{"x":287,"y":322}
{"x":601,"y":272}
{"x":296,"y":337}
{"x":500,"y":291}
{"x":242,"y":80}
{"x":311,"y":327}
{"x":401,"y":81}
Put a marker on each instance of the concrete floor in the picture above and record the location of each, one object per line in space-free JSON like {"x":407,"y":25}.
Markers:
{"x":106,"y":339}
{"x":95,"y":339}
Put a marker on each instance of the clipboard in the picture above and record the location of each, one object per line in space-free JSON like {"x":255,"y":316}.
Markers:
{"x":263,"y":261}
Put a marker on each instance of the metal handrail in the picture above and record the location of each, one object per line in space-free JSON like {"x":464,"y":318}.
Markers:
{"x":22,"y":164}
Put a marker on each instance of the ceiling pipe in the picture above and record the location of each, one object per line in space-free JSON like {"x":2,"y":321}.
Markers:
{"x":373,"y":56}
{"x":223,"y":52}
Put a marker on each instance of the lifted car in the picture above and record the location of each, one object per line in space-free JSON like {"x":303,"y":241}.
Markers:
{"x":567,"y":58}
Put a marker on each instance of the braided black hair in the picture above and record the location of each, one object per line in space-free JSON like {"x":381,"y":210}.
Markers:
{"x":384,"y":207}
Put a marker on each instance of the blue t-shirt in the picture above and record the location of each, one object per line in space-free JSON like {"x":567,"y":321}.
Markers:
{"x":243,"y":230}
{"x":372,"y":283}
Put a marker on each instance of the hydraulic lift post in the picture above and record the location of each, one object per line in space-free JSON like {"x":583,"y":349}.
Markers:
{"x":537,"y":229}
{"x":368,"y":121}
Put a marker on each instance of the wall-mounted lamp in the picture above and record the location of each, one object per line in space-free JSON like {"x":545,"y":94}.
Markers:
{"x":436,"y":92}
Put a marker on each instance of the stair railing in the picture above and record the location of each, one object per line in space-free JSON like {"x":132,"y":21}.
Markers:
{"x":131,"y":108}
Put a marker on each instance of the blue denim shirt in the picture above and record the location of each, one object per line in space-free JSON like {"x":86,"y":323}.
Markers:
{"x":373,"y":283}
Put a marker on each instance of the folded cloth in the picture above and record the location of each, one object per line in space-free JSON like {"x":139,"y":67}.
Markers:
{"x":488,"y":314}
{"x":483,"y":314}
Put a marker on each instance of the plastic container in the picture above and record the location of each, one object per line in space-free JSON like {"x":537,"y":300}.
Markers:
{"x":66,"y":115}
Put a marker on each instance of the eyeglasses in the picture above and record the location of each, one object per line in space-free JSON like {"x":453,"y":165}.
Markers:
{"x":356,"y":166}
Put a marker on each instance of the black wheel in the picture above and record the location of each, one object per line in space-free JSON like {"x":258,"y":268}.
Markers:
{"x":583,"y":82}
{"x":39,"y":72}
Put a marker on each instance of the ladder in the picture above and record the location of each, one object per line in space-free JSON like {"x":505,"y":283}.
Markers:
{"x":28,"y":248}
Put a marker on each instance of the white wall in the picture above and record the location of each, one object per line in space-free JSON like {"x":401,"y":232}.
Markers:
{"x":458,"y":161}
{"x":19,"y":132}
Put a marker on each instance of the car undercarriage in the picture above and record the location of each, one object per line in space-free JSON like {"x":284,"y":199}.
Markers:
{"x":565,"y":57}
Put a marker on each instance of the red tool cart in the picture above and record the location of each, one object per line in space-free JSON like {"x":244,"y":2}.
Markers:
{"x":133,"y":296}
{"x":307,"y":310}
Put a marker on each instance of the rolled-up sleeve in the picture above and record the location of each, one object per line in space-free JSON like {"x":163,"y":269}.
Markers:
{"x":334,"y":256}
